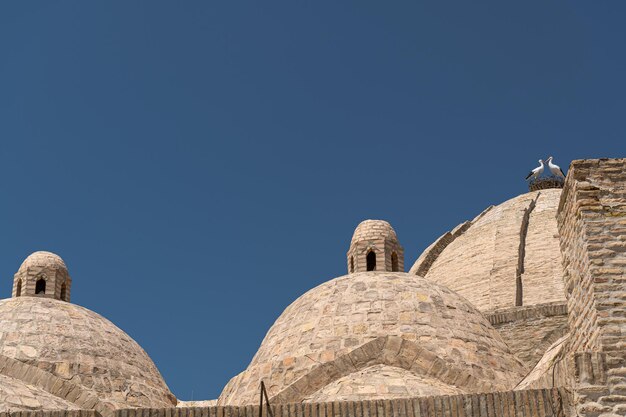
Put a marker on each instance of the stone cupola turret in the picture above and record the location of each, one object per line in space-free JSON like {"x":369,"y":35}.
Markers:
{"x":42,"y":274}
{"x":375,"y":247}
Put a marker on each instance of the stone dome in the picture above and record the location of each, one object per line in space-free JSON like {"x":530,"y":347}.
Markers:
{"x":373,"y":229}
{"x":43,"y":259}
{"x":17,"y":395}
{"x":381,"y":382}
{"x":507,"y":256}
{"x":42,"y":274}
{"x":330,"y":337}
{"x":73,"y":344}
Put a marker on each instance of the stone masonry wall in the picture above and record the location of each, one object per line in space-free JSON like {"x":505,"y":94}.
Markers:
{"x":529,"y":331}
{"x":592,"y":226}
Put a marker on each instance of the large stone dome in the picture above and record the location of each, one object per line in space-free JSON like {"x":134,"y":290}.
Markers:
{"x":508,"y":255}
{"x":327,"y":344}
{"x":76,"y":346}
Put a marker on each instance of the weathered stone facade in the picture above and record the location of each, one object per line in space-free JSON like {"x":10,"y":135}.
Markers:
{"x":518,"y":312}
{"x":592,"y":223}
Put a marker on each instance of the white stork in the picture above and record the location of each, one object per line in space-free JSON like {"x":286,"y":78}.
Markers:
{"x":536,"y":171}
{"x":555,"y":169}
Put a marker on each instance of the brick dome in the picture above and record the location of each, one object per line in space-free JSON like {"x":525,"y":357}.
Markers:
{"x":17,"y":395}
{"x":375,"y":247}
{"x":373,"y":229}
{"x":43,"y":259}
{"x":72,"y":343}
{"x":345,"y":326}
{"x":42,"y":274}
{"x":508,"y":255}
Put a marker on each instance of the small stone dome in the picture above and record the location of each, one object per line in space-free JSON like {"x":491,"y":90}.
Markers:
{"x":373,"y":229}
{"x":507,"y":256}
{"x":375,"y":247}
{"x":43,"y":259}
{"x":74,"y":344}
{"x":337,"y":331}
{"x":43,"y":274}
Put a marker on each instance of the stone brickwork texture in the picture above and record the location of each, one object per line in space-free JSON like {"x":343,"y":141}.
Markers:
{"x":592,"y":224}
{"x":530,"y":331}
{"x":508,"y":253}
{"x":73,"y":343}
{"x":527,"y":403}
{"x":44,"y":266}
{"x":348,"y":324}
{"x":379,"y":238}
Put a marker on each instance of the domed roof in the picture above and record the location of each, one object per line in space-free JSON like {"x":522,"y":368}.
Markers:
{"x":351,"y":323}
{"x":43,"y":259}
{"x":510,"y":253}
{"x":78,"y":345}
{"x":382,"y":382}
{"x":17,"y":395}
{"x":373,"y":229}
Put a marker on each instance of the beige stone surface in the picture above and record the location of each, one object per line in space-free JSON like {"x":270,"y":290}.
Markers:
{"x":524,"y":403}
{"x":548,"y":372}
{"x":592,"y":224}
{"x":375,"y":237}
{"x":382,"y":382}
{"x":17,"y":395}
{"x":47,"y":267}
{"x":82,"y":347}
{"x":530,"y":330}
{"x":352,"y":322}
{"x":514,"y":241}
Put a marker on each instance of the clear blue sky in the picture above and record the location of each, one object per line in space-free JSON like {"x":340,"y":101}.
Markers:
{"x":201,"y":164}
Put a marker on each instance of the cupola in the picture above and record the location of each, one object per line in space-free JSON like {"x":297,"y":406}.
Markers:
{"x":375,"y":247}
{"x":42,"y":274}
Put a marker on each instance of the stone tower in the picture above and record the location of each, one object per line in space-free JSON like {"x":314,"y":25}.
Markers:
{"x":375,"y":247}
{"x":42,"y":274}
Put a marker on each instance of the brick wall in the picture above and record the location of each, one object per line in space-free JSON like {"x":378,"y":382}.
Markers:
{"x":592,"y":226}
{"x":528,"y":403}
{"x":529,"y":331}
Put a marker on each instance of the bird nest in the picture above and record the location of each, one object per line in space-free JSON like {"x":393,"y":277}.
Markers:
{"x":543,"y":183}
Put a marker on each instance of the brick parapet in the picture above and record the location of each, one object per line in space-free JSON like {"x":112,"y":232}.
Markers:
{"x":511,"y":314}
{"x":525,"y":403}
{"x":50,"y":413}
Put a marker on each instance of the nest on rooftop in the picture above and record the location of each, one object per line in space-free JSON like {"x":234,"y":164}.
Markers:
{"x":543,"y":183}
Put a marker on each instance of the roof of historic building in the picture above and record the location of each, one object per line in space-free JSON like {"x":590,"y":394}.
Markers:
{"x":372,"y":229}
{"x":327,"y":344}
{"x":71,"y":343}
{"x":43,"y":259}
{"x":15,"y":394}
{"x":508,"y":255}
